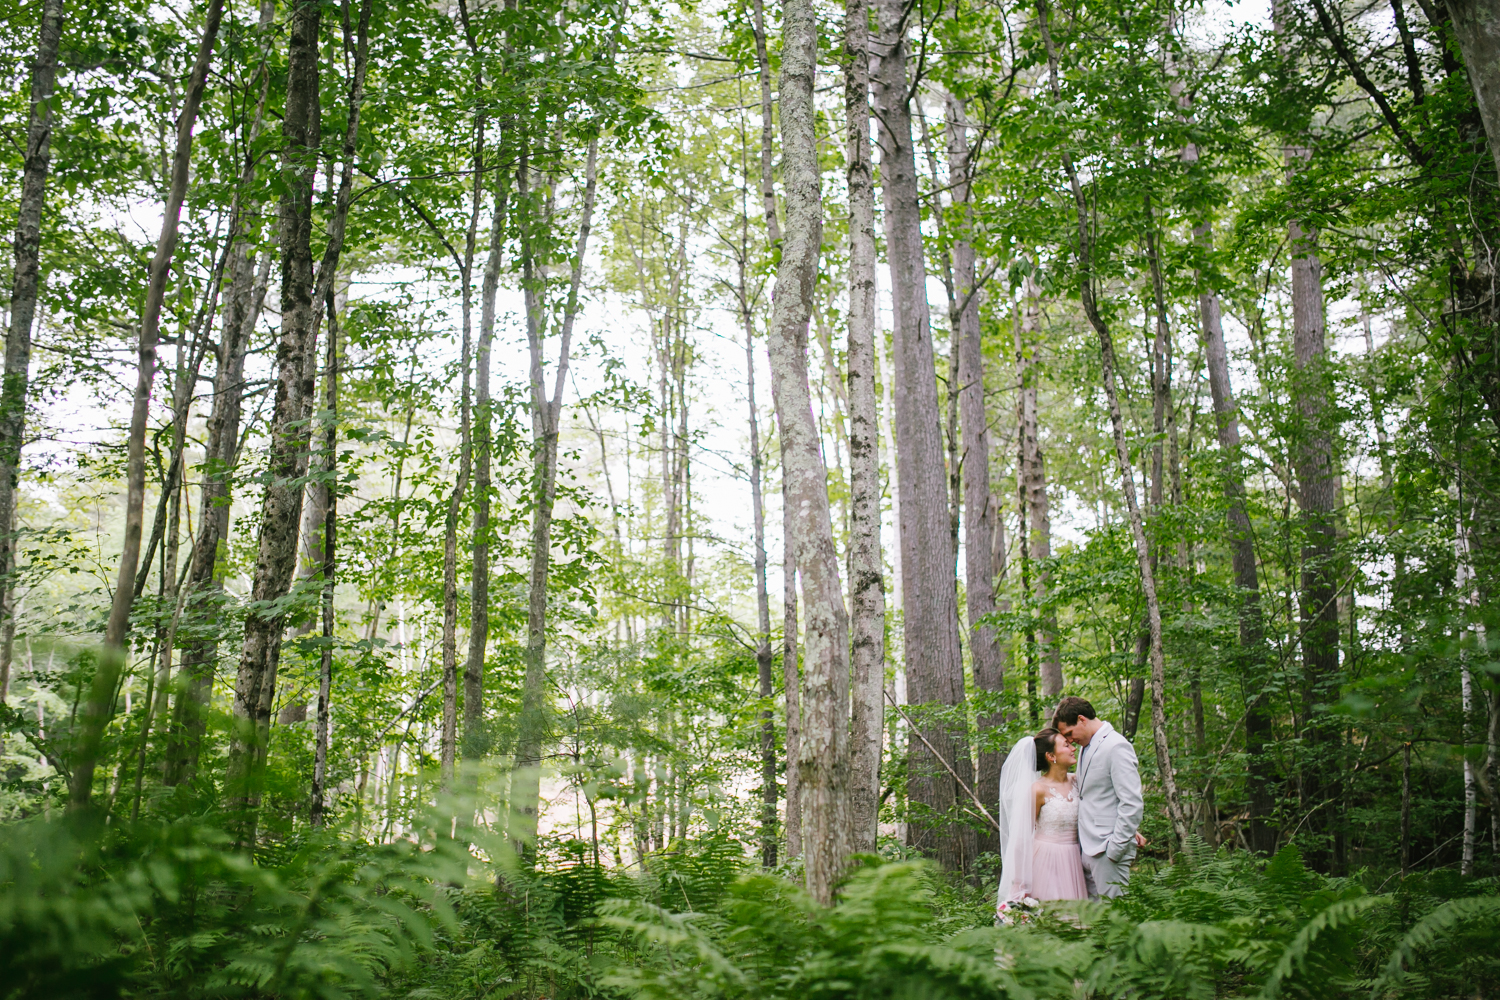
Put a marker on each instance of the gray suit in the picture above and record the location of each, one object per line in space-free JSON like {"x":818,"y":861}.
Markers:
{"x":1110,"y":807}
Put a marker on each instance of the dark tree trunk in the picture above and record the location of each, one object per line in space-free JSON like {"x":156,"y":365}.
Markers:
{"x":24,"y":289}
{"x":281,"y":508}
{"x":202,"y":588}
{"x":330,"y":539}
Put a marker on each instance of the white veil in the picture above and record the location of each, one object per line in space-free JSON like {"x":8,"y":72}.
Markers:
{"x":1017,"y":819}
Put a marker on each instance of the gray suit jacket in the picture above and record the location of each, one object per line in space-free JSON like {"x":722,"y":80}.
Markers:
{"x":1110,"y":804}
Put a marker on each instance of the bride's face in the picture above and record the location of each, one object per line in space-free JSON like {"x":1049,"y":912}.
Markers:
{"x":1063,"y":752}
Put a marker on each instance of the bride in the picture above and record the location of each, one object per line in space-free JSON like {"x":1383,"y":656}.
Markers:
{"x":1039,"y":821}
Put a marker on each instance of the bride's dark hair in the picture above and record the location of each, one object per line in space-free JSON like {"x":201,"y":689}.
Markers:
{"x":1046,"y":742}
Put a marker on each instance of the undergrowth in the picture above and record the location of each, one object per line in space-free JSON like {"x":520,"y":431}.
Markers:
{"x":176,"y":911}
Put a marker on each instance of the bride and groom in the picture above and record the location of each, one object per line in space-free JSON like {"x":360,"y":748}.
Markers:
{"x":1069,"y":835}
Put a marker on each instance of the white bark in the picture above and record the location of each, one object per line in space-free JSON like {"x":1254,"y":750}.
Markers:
{"x":823,"y":758}
{"x":866,"y":584}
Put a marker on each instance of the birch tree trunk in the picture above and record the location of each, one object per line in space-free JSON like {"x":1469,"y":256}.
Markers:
{"x":301,"y":308}
{"x":1085,"y":254}
{"x":281,"y":507}
{"x":934,"y":669}
{"x":545,"y":417}
{"x":1476,"y":26}
{"x":866,"y":569}
{"x":823,"y":759}
{"x":94,"y":713}
{"x":25,"y":284}
{"x":762,"y":598}
{"x":986,"y":655}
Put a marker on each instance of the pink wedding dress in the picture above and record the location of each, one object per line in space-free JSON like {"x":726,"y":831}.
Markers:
{"x":1057,"y":865}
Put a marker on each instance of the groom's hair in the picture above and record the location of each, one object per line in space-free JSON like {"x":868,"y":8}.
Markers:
{"x":1070,"y":709}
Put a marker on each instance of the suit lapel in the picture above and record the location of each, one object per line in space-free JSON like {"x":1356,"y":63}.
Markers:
{"x":1089,"y":753}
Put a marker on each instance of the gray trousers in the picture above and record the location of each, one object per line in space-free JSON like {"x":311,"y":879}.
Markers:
{"x":1106,"y":878}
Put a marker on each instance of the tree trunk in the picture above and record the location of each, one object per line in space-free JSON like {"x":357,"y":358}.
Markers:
{"x":242,"y":307}
{"x":281,"y":507}
{"x":986,"y":654}
{"x":476,"y":738}
{"x":545,"y":417}
{"x":1318,"y":489}
{"x":448,"y":748}
{"x":791,"y":673}
{"x":762,"y":598}
{"x":25,"y":284}
{"x":866,"y":569}
{"x":1252,"y":652}
{"x":1318,"y":496}
{"x":99,"y":705}
{"x":200,"y":653}
{"x":823,"y":771}
{"x":1085,"y":254}
{"x":1476,"y":25}
{"x":934,"y":669}
{"x":330,"y":538}
{"x":1036,"y":509}
{"x":301,"y":308}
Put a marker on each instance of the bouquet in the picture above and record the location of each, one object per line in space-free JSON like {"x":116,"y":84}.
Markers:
{"x":1020,"y":910}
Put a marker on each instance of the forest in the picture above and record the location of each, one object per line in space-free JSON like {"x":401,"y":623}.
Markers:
{"x":578,"y":498}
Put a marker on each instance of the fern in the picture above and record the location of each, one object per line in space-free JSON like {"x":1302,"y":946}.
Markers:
{"x":1446,"y":925}
{"x":1320,"y":949}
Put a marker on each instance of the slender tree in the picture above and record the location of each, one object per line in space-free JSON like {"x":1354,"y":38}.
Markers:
{"x":330,"y":564}
{"x":866,"y":569}
{"x":94,"y":713}
{"x":546,"y":415}
{"x":1318,"y":490}
{"x":24,"y":290}
{"x":1084,"y":251}
{"x":1258,"y":721}
{"x":790,"y":668}
{"x":986,"y":654}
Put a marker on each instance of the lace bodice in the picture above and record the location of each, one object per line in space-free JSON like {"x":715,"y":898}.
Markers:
{"x":1058,"y":820}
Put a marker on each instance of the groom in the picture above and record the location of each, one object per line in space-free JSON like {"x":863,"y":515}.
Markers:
{"x":1109,"y":796}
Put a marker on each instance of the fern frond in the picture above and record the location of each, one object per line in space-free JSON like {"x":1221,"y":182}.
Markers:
{"x":1438,"y":926}
{"x":1302,"y":951}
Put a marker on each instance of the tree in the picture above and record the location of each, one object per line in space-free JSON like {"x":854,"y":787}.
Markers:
{"x":823,"y":759}
{"x":866,"y":570}
{"x":934,"y":669}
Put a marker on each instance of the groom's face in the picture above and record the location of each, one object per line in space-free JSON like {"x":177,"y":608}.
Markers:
{"x":1078,"y":733}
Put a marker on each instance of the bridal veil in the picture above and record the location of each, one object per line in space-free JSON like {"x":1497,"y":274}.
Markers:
{"x":1017,"y":819}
